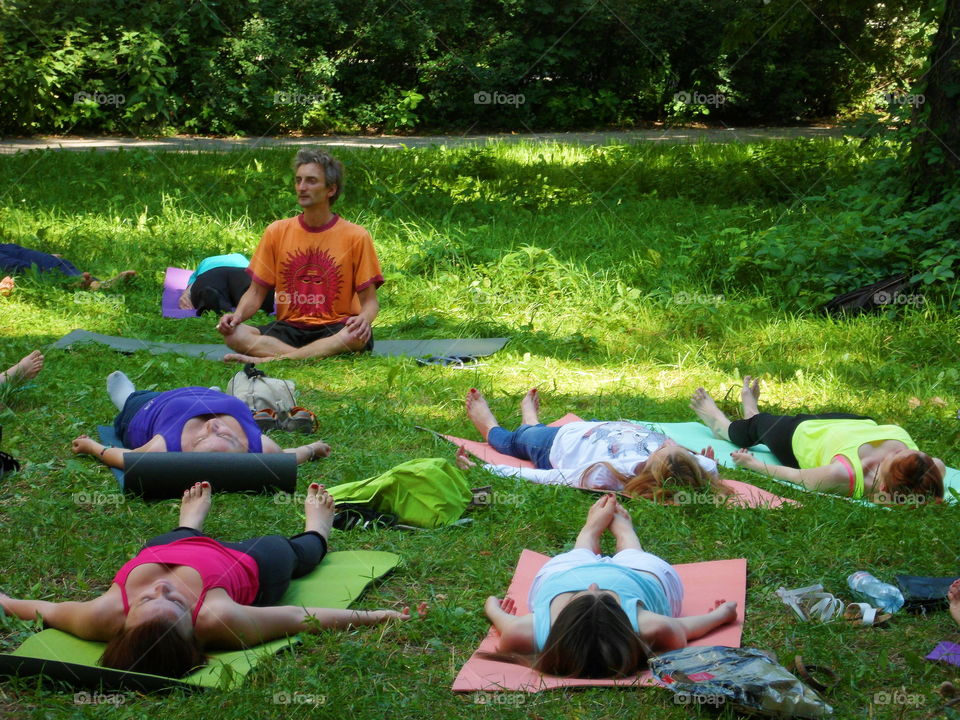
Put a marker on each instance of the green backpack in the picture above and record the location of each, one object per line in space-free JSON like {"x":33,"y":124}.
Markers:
{"x":425,"y":493}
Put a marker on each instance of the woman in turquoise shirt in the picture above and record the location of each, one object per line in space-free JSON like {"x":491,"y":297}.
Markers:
{"x":599,"y":616}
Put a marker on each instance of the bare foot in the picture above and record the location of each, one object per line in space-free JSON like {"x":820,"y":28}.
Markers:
{"x":622,"y":529}
{"x":125,"y":275}
{"x":749,"y":396}
{"x":319,"y":508}
{"x":26,"y":369}
{"x":530,"y":407}
{"x":107,"y":284}
{"x":87,"y":281}
{"x":953,"y":595}
{"x":195,"y":505}
{"x":708,"y":412}
{"x":479,"y":413}
{"x":241,"y":358}
{"x":7,"y":285}
{"x":622,"y":521}
{"x":599,"y":518}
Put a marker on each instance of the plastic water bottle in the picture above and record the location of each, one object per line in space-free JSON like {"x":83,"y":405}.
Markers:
{"x":880,"y":595}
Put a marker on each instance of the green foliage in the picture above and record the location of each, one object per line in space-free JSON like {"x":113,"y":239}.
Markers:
{"x":333,"y":66}
{"x":851,"y":236}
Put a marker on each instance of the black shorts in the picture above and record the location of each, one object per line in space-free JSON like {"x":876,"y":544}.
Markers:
{"x":298,"y":337}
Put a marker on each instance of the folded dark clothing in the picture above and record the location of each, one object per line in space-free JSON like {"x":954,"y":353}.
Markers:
{"x":924,"y":593}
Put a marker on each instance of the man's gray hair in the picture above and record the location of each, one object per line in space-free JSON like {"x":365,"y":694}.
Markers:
{"x":332,"y":168}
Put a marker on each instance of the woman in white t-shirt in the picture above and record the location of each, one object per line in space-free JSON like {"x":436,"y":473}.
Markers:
{"x":616,"y":455}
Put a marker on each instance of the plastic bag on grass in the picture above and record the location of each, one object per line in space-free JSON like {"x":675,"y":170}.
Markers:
{"x":745,"y":678}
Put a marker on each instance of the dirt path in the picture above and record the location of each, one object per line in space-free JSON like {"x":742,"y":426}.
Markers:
{"x":194,"y":144}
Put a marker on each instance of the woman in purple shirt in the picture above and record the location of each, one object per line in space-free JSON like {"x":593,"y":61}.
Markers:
{"x":189,"y":419}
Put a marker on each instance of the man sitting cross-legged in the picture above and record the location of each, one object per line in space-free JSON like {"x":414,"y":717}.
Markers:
{"x":325,"y":272}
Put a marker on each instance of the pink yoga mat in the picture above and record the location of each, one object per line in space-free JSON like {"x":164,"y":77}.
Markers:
{"x":704,"y":583}
{"x":174,"y":283}
{"x":745,"y":494}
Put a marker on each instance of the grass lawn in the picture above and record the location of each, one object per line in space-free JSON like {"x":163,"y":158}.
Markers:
{"x":607,"y":268}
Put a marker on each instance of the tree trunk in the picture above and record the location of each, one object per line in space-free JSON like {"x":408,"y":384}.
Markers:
{"x":935,"y":151}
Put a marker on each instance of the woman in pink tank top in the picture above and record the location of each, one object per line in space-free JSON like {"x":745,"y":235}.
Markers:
{"x":185,"y":593}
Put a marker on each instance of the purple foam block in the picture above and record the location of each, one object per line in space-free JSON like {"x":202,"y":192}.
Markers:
{"x":174,"y":283}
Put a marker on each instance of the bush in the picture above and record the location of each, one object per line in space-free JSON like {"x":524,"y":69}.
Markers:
{"x":282,"y":65}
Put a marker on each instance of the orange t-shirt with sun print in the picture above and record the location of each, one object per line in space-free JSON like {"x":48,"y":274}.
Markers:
{"x":317,"y":272}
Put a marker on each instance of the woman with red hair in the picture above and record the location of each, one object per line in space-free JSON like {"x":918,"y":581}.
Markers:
{"x":831,"y":452}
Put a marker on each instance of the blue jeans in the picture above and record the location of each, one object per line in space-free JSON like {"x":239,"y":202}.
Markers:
{"x":527,"y":442}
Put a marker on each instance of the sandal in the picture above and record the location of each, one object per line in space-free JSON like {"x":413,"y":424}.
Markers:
{"x":299,"y":419}
{"x":811,"y":603}
{"x":265,"y":419}
{"x":807,"y":673}
{"x":864,"y":615}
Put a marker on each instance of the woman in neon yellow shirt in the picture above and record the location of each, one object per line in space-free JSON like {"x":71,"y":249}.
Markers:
{"x":831,"y":452}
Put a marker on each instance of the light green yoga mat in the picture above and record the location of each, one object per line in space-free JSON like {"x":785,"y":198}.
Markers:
{"x":339,"y":580}
{"x":697,"y":436}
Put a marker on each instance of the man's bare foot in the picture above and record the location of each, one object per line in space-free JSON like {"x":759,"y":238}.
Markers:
{"x":195,"y":505}
{"x":87,"y":281}
{"x":479,"y":413}
{"x":749,"y":396}
{"x":241,"y":358}
{"x":26,"y":369}
{"x":7,"y":285}
{"x":708,"y":412}
{"x":953,"y":595}
{"x":530,"y":407}
{"x":319,"y":508}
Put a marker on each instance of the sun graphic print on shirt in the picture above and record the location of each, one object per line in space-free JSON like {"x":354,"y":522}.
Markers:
{"x":311,"y":282}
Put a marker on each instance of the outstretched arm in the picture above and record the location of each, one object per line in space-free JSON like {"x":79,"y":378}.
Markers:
{"x":243,"y":626}
{"x":86,"y":620}
{"x":303,"y":453}
{"x":113,"y":456}
{"x":666,"y":633}
{"x":825,"y":478}
{"x":516,"y":631}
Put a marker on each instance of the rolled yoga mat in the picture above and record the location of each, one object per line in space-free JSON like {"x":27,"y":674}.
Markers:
{"x":158,"y":476}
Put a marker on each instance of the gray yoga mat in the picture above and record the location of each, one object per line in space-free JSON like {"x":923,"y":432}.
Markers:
{"x":477,"y":347}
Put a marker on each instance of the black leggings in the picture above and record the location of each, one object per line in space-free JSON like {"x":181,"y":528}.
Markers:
{"x":776,"y":432}
{"x":278,"y":559}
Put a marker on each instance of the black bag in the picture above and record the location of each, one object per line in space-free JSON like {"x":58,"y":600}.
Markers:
{"x":8,"y":463}
{"x":870,"y":298}
{"x":924,"y":593}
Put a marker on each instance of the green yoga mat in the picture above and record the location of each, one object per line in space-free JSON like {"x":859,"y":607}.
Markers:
{"x":336,"y":583}
{"x":477,"y":347}
{"x":697,"y":436}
